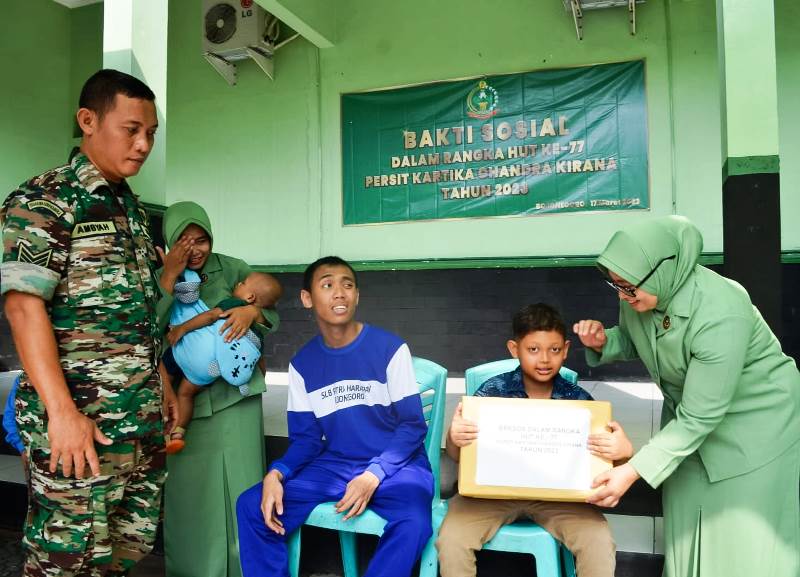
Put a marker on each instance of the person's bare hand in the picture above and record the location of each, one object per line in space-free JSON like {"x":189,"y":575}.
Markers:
{"x":174,"y":262}
{"x":238,"y":321}
{"x":72,"y":436}
{"x":612,"y":445}
{"x":272,"y":501}
{"x":175,"y":334}
{"x":462,"y":431}
{"x":613,"y":484}
{"x":591,"y":333}
{"x":359,"y":491}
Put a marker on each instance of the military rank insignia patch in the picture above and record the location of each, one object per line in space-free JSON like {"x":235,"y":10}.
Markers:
{"x":38,"y":258}
{"x":46,"y":205}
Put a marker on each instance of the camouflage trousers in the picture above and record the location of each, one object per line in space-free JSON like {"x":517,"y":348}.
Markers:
{"x":96,"y":526}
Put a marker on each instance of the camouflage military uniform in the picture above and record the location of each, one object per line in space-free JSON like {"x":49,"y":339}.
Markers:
{"x":85,"y":249}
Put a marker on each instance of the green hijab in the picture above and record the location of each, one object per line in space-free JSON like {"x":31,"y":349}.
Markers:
{"x":634,"y":251}
{"x":180,"y":215}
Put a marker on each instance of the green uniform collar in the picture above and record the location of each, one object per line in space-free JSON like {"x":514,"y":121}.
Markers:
{"x":89,"y":176}
{"x":681,"y":304}
{"x":213,"y":264}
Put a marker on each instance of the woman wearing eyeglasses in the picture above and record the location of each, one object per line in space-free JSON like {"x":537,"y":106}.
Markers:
{"x":728,"y":452}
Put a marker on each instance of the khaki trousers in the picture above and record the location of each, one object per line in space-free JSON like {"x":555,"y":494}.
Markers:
{"x":472,"y":522}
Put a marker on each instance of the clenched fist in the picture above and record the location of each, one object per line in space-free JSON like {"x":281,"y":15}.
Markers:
{"x":591,"y":333}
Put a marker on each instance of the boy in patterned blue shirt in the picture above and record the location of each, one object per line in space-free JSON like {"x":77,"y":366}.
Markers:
{"x":540,"y":345}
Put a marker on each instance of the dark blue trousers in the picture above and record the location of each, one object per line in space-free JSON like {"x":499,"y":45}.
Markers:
{"x":403,"y":499}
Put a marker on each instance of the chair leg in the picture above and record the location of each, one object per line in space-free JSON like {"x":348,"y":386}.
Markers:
{"x":347,"y":543}
{"x":569,"y":561}
{"x":429,"y":560}
{"x":548,"y":562}
{"x":293,"y":553}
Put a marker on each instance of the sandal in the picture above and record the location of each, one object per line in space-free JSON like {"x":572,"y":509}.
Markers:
{"x":175,"y":443}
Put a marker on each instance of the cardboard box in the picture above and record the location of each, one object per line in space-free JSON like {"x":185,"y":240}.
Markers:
{"x":532,"y":449}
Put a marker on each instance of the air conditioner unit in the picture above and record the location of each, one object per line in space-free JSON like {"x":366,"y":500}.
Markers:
{"x":236,"y":30}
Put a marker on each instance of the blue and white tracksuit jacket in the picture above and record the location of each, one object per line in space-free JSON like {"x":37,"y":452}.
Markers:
{"x":352,"y":409}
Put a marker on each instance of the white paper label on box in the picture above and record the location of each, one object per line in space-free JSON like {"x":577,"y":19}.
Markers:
{"x":534,"y":447}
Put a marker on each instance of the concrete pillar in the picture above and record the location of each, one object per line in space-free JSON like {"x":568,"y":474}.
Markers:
{"x":751,"y":184}
{"x":135,"y":41}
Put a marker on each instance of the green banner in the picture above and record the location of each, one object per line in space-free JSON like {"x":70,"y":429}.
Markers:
{"x":553,"y":141}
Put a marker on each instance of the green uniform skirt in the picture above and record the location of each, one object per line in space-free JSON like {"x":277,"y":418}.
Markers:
{"x":745,"y":526}
{"x":224,"y":455}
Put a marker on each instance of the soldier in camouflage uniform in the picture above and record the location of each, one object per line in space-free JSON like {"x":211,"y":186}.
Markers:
{"x":80,"y":295}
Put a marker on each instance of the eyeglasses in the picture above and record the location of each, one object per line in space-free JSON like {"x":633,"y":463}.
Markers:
{"x":631,"y":290}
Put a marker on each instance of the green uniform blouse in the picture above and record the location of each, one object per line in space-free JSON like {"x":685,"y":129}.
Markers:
{"x":729,"y":392}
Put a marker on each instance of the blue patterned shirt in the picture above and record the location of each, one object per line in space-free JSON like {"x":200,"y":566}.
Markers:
{"x":510,"y":385}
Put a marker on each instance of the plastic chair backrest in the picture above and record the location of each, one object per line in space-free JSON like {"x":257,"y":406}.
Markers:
{"x":432,"y":381}
{"x":474,"y":377}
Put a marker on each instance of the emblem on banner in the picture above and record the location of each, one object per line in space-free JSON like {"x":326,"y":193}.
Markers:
{"x":482,"y":101}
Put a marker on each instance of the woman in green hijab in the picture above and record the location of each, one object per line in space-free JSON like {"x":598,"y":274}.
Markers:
{"x":728,"y":452}
{"x":224,"y":454}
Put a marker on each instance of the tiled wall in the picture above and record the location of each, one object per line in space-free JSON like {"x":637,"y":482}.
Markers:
{"x":457,"y":318}
{"x":461,"y":318}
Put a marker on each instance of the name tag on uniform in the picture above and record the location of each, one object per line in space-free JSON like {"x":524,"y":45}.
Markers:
{"x":95,"y":228}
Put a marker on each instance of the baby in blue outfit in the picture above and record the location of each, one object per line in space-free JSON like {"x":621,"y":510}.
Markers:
{"x":199,"y":353}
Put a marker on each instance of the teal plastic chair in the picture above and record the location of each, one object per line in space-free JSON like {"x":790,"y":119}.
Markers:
{"x":524,"y":536}
{"x":432,"y":380}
